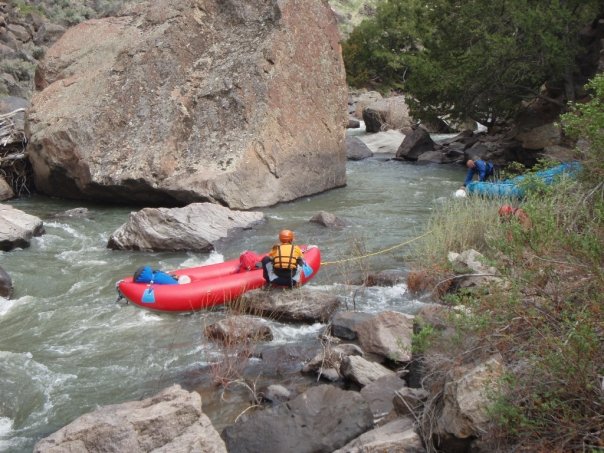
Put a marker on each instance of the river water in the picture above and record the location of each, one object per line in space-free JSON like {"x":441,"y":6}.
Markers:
{"x":67,"y":347}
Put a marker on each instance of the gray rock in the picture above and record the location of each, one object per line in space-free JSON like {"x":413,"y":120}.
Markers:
{"x":276,"y":394}
{"x":362,"y":371}
{"x":17,"y":228}
{"x":194,"y":227}
{"x":168,"y":422}
{"x":380,"y":394}
{"x":356,"y":149}
{"x":6,"y":191}
{"x":322,"y":419}
{"x":398,"y":436}
{"x":415,"y":144}
{"x":388,"y":334}
{"x":327,"y":219}
{"x":296,"y":305}
{"x":239,"y":329}
{"x":344,"y":323}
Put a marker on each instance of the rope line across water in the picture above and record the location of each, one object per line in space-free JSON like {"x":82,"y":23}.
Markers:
{"x":379,"y":252}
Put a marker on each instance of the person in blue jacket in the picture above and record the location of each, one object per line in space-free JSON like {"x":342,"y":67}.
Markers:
{"x":484,"y":170}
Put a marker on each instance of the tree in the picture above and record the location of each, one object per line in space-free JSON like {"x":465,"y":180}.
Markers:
{"x":376,"y":50}
{"x":586,"y":121}
{"x":473,"y":58}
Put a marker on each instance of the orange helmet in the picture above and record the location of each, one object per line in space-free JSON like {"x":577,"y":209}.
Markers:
{"x":505,"y":210}
{"x":286,"y":236}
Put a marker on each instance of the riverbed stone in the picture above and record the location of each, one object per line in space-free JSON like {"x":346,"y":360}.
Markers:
{"x":239,"y":329}
{"x":195,"y":227}
{"x":240,"y":103}
{"x":298,"y":305}
{"x":327,"y":219}
{"x":167,"y":422}
{"x":17,"y":228}
{"x":323,"y":418}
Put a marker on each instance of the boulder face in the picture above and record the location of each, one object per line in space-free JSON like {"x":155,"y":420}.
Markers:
{"x":236,"y":102}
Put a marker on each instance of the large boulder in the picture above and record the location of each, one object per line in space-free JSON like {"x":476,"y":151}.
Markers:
{"x":195,"y":227}
{"x":236,"y":102}
{"x":170,"y":421}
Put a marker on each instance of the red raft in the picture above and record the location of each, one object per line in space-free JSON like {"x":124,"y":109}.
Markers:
{"x":213,"y":284}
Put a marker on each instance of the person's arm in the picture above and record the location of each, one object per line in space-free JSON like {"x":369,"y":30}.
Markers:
{"x":482,"y":170}
{"x":469,"y":176}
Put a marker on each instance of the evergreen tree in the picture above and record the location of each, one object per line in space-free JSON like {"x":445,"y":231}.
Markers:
{"x":470,"y":58}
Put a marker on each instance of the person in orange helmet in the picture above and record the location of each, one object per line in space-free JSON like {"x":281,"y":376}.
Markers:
{"x":507,"y":212}
{"x":283,"y":264}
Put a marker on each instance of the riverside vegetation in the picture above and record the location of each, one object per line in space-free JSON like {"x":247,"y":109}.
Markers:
{"x":548,"y":322}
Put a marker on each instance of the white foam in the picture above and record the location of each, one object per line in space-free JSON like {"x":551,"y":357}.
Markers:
{"x":6,"y":305}
{"x":6,"y":426}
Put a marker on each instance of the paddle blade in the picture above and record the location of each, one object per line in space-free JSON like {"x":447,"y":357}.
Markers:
{"x":307,"y":270}
{"x":148,"y":296}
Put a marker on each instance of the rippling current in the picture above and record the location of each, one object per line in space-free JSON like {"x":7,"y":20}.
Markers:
{"x":67,"y":347}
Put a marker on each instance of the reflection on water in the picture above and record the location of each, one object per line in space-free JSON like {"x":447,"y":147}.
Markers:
{"x":67,"y":347}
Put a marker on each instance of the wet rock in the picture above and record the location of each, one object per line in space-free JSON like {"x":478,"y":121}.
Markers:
{"x":298,"y":305}
{"x":353,"y":124}
{"x":6,"y":284}
{"x":286,"y":359}
{"x":239,"y":329}
{"x":327,"y":219}
{"x":79,"y":213}
{"x":194,"y":227}
{"x":387,"y":277}
{"x":17,"y":228}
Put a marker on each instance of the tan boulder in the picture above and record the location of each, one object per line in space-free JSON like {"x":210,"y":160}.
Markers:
{"x":239,"y":103}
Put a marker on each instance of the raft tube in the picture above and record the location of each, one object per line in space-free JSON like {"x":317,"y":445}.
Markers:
{"x":210,"y":285}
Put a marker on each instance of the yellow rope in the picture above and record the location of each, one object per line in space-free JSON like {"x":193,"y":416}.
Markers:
{"x":379,"y":252}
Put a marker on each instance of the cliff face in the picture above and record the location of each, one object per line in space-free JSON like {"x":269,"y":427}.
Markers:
{"x":237,"y":102}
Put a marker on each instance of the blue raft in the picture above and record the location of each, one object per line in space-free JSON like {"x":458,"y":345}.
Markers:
{"x":513,"y":188}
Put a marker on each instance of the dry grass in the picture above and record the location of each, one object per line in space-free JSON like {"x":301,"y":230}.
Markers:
{"x":548,"y":326}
